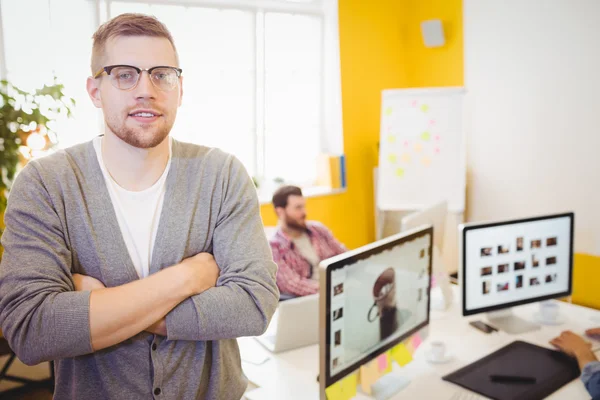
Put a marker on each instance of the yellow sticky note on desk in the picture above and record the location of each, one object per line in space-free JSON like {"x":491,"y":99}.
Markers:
{"x":388,"y":369}
{"x":344,"y":389}
{"x":335,"y":391}
{"x":349,"y":385}
{"x":401,"y":355}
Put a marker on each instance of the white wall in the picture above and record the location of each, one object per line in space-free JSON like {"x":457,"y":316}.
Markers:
{"x":532,"y":71}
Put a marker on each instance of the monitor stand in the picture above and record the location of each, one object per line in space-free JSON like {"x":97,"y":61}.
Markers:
{"x":388,"y":385}
{"x":506,"y":321}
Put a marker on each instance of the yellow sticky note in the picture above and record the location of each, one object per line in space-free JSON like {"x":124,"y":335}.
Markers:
{"x":418,"y":147}
{"x":369,"y":373}
{"x":349,"y":386}
{"x":391,"y":139}
{"x":405,"y":158}
{"x":401,"y":355}
{"x":425,"y":136}
{"x":335,"y":391}
{"x":424,"y":108}
{"x":426,"y":161}
{"x":388,"y":369}
{"x":400,"y":172}
{"x":344,"y":389}
{"x":388,"y":111}
{"x":392,"y":158}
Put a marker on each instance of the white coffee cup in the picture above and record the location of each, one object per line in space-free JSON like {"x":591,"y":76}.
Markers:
{"x":438,"y":351}
{"x":549,"y":311}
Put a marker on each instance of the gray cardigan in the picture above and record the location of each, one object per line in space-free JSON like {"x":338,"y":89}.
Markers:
{"x":60,"y":221}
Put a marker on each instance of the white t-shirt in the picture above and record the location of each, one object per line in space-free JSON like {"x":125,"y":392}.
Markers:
{"x":138,"y":213}
{"x":308,"y":252}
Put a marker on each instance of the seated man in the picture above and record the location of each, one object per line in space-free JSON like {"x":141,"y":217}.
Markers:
{"x":299,"y":245}
{"x":577,"y":347}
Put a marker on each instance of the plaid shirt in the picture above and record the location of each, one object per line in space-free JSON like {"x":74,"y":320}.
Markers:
{"x":294,"y":272}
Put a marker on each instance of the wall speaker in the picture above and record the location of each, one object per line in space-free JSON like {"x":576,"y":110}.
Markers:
{"x":433,"y":33}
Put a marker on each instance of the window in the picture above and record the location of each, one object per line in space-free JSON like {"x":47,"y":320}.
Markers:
{"x":47,"y":38}
{"x":260,"y":78}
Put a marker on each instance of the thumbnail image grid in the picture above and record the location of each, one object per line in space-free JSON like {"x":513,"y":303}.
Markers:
{"x":488,"y":270}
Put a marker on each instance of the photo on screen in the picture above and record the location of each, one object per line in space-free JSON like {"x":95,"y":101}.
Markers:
{"x":338,"y":337}
{"x":486,"y":251}
{"x":337,"y":314}
{"x":338,"y":289}
{"x":335,"y":362}
{"x":535,"y":261}
{"x":536,"y":244}
{"x":550,"y":278}
{"x":519,"y":281}
{"x":520,"y":242}
{"x":486,"y":287}
{"x":534,"y":281}
{"x":551,"y":241}
{"x":550,"y":260}
{"x":501,"y":287}
{"x":422,"y":253}
{"x":503,"y":268}
{"x":519,"y":265}
{"x":503,"y":249}
{"x":485,"y":271}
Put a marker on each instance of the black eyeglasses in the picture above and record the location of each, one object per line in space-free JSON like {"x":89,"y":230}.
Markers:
{"x":125,"y":77}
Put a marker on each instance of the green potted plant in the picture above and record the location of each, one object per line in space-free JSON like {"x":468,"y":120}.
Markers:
{"x":26,"y":120}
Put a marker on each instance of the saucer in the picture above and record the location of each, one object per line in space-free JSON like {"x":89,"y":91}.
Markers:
{"x":447,"y":358}
{"x":558,"y":321}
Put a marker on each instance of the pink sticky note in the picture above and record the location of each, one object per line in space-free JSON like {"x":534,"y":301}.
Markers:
{"x":414,"y":103}
{"x":406,"y":143}
{"x":437,"y":150}
{"x":382,"y":362}
{"x":432,"y":122}
{"x":437,"y":137}
{"x":416,"y":341}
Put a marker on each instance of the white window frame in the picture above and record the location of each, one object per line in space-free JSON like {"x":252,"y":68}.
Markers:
{"x":331,"y":135}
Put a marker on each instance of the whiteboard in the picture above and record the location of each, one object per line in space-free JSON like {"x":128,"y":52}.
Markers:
{"x":421,"y":149}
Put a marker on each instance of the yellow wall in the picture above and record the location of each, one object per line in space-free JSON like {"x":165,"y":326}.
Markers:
{"x":372,"y":59}
{"x":586,"y":282}
{"x":439,"y":66}
{"x":382,"y":47}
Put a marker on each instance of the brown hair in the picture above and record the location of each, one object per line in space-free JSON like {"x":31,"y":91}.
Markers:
{"x":280,"y":197}
{"x":127,"y":25}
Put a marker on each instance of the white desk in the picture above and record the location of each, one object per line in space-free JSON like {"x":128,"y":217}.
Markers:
{"x":292,"y":375}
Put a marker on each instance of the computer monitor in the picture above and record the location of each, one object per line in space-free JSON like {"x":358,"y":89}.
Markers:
{"x":441,"y":296}
{"x":434,"y":215}
{"x":510,"y":263}
{"x":371,"y":299}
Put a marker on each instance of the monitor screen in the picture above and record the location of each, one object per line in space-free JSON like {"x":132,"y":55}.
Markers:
{"x":516,"y":262}
{"x":377,"y":296}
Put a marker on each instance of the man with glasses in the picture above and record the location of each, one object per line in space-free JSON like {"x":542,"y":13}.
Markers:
{"x":135,"y":260}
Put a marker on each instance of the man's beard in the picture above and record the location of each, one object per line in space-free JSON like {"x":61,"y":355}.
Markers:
{"x":137,"y":137}
{"x":295,"y":224}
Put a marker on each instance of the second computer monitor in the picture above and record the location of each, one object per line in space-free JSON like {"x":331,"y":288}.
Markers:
{"x":372,"y":298}
{"x":434,"y":215}
{"x":515,"y":262}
